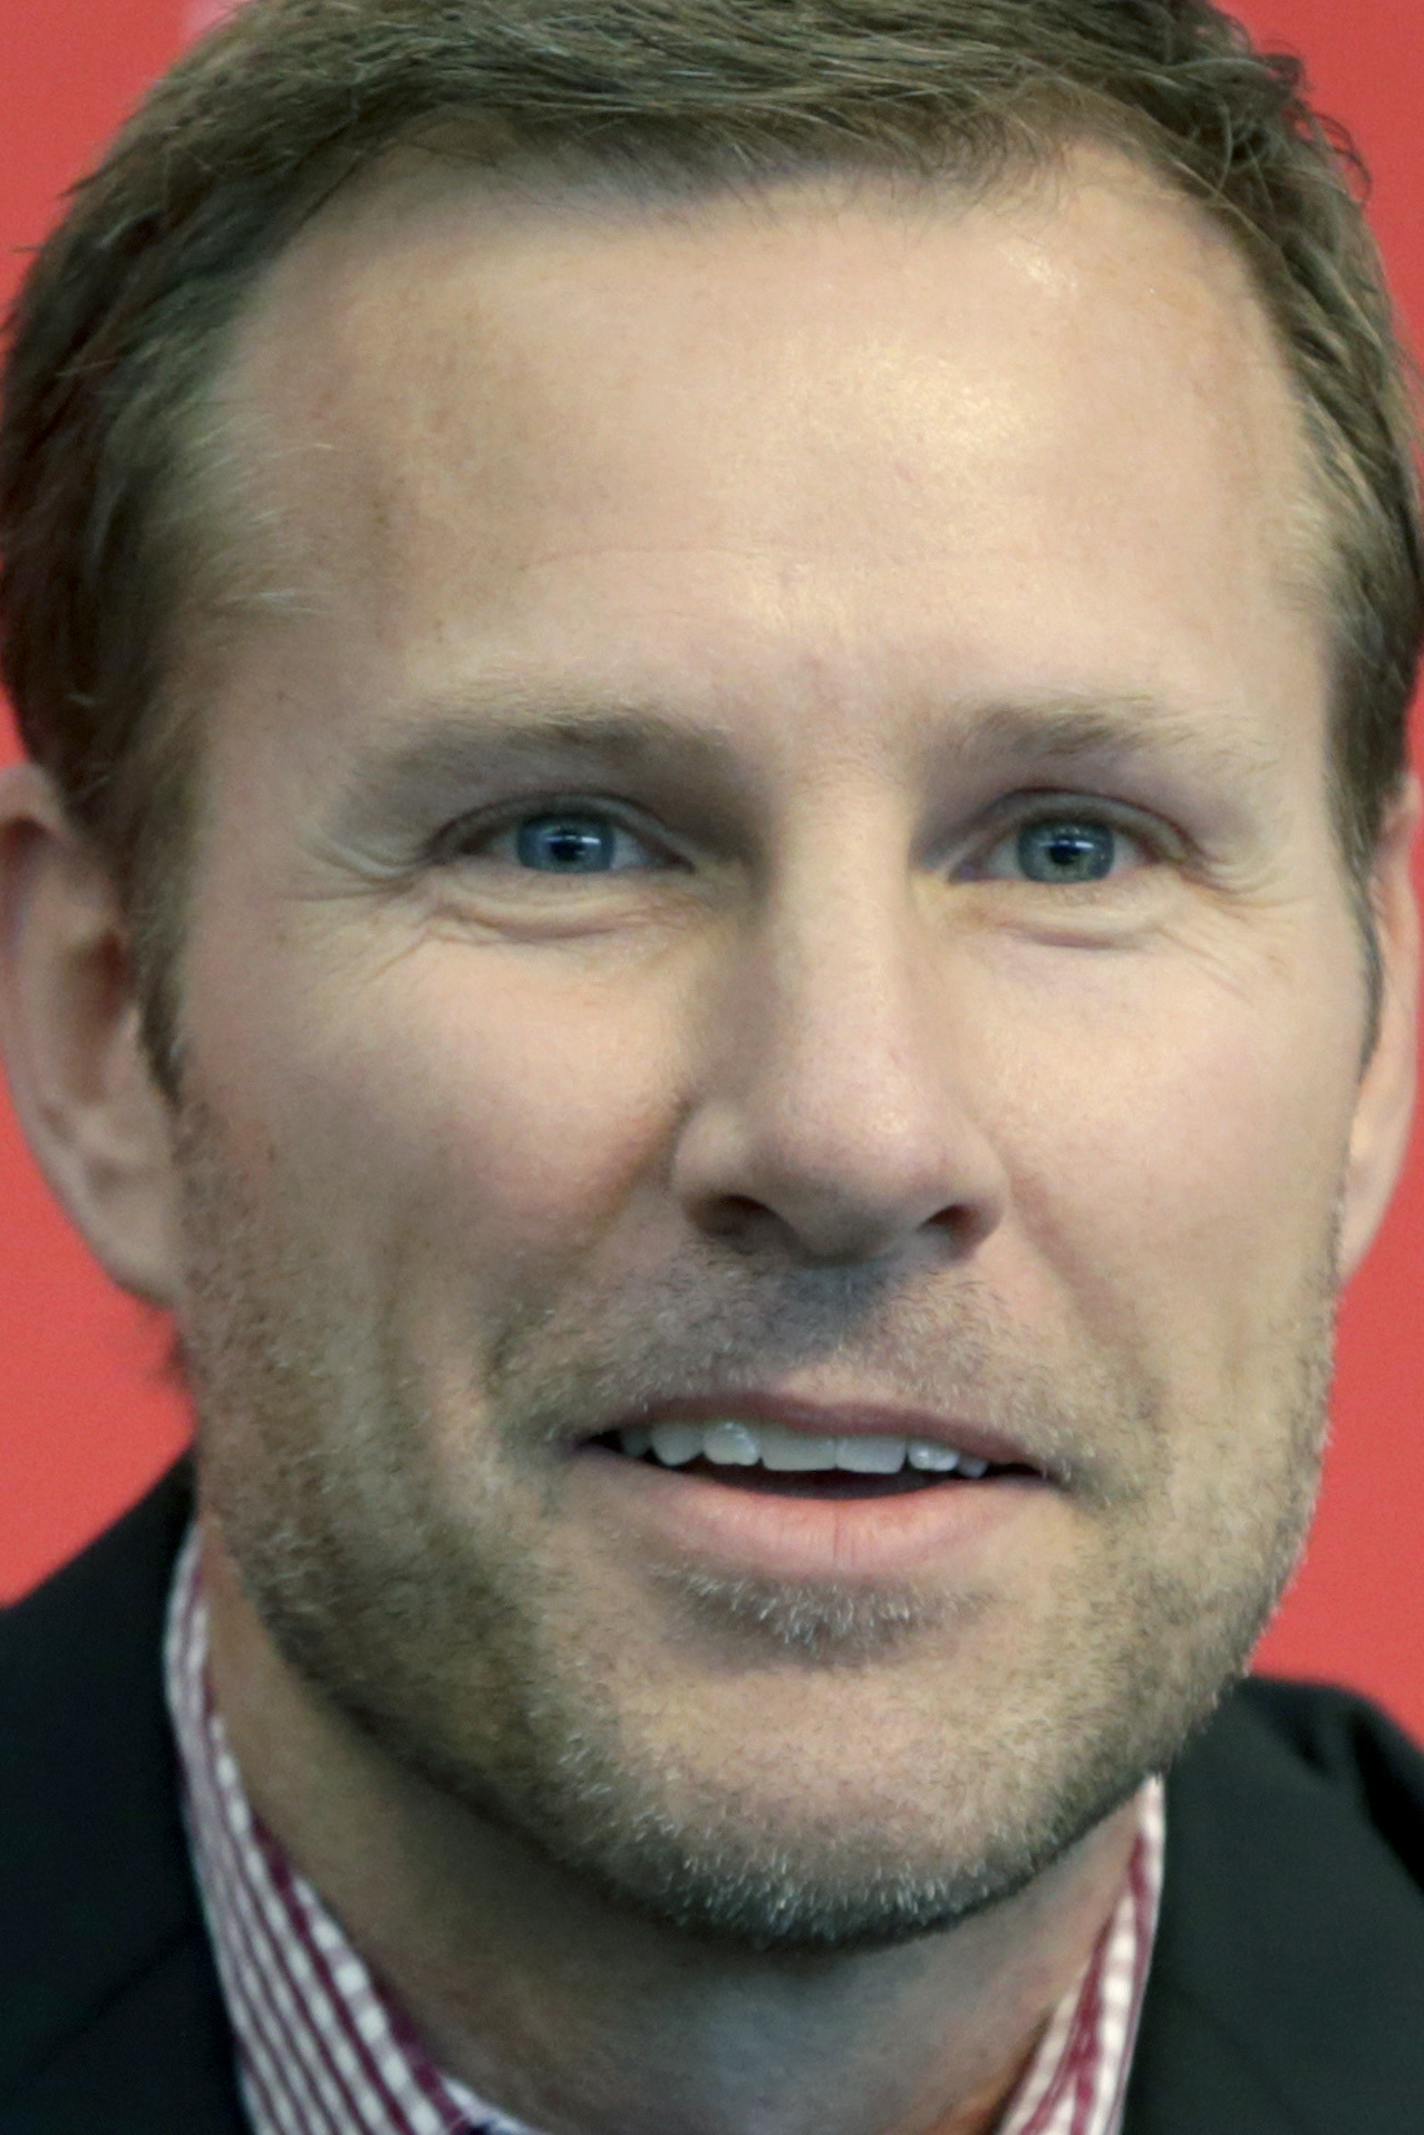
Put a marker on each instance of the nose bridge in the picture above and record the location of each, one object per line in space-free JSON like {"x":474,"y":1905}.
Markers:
{"x":833,"y":1098}
{"x":837,"y":971}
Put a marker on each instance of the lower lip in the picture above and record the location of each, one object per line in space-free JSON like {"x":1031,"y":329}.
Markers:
{"x":855,"y":1541}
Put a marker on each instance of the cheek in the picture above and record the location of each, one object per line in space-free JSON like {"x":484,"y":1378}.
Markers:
{"x":455,"y":1108}
{"x":1185,"y":1156}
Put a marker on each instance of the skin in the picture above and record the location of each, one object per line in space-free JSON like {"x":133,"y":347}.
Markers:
{"x":815,"y":1090}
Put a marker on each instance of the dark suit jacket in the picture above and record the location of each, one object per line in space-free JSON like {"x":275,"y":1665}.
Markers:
{"x":1286,"y":1995}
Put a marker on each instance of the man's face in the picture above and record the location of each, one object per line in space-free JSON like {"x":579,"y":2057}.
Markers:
{"x":815,"y":1060}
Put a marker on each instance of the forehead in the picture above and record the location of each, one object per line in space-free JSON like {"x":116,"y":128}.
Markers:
{"x":837,"y":416}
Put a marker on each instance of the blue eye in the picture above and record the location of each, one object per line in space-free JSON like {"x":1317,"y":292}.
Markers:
{"x":1067,"y":850}
{"x":1058,"y":849}
{"x":564,"y":841}
{"x":567,"y":844}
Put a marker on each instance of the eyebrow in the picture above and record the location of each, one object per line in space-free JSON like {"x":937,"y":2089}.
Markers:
{"x":445,"y":741}
{"x":1136,"y":723}
{"x":440,"y":741}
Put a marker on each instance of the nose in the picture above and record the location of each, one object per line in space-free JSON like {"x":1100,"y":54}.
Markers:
{"x":835,"y":1119}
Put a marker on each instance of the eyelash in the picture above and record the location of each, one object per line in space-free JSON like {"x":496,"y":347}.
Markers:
{"x":452,"y":845}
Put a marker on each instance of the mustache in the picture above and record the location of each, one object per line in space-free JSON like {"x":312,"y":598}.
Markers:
{"x":944,"y":1344}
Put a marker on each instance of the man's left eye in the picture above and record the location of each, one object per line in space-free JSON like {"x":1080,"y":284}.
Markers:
{"x":1065,"y":850}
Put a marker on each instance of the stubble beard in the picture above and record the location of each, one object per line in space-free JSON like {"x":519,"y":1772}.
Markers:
{"x":437,"y":1644}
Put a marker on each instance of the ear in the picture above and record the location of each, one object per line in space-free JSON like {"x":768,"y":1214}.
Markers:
{"x":69,"y":1035}
{"x":1384,"y":1107}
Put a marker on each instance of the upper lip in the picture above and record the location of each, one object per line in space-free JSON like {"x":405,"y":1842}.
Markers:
{"x":850,"y":1419}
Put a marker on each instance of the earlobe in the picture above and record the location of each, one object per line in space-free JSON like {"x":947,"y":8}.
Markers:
{"x":1384,"y":1110}
{"x":69,"y":1036}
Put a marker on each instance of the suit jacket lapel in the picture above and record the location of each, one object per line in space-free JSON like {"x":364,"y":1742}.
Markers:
{"x":1287,"y":1989}
{"x":110,"y":2012}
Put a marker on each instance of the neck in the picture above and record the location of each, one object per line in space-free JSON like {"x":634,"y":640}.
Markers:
{"x":579,"y":2019}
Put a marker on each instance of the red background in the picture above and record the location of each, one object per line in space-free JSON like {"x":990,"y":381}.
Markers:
{"x":84,"y":1427}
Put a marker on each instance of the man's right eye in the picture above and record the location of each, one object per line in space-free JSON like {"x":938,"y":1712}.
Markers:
{"x":575,"y":841}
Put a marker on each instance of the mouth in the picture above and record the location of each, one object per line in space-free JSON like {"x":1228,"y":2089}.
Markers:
{"x":830,"y":1484}
{"x":693,"y":1504}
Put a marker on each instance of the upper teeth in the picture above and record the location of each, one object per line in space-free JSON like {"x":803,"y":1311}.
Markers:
{"x":739,"y":1445}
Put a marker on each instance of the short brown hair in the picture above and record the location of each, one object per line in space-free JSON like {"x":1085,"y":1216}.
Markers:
{"x":122,"y":325}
